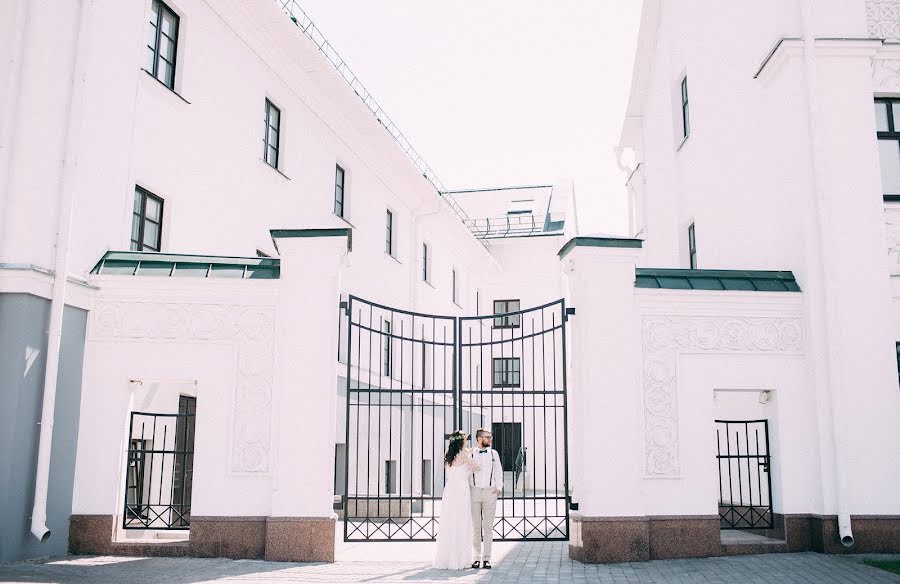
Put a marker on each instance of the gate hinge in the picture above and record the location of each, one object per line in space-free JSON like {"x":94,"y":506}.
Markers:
{"x":344,"y":306}
{"x":570,"y":312}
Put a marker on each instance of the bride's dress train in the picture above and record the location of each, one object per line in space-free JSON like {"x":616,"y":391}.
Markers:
{"x":454,"y":539}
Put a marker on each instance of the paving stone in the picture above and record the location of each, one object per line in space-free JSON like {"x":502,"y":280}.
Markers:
{"x":528,"y":563}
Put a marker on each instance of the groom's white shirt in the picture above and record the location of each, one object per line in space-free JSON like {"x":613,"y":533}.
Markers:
{"x":490,"y":471}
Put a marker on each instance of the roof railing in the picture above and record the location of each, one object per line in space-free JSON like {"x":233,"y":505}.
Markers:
{"x":510,"y":225}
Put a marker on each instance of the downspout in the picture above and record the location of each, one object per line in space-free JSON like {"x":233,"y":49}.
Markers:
{"x":824,"y":308}
{"x":66,"y":196}
{"x":9,"y":126}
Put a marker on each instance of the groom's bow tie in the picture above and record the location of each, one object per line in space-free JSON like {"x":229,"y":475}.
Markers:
{"x":482,"y":451}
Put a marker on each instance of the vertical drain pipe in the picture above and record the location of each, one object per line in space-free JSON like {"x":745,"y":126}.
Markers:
{"x":827,"y":309}
{"x":66,"y":196}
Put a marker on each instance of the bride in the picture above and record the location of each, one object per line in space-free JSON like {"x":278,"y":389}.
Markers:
{"x":454,"y":539}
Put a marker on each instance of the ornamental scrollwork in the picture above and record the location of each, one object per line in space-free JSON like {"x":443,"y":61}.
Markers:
{"x":883,"y":19}
{"x":664,"y":337}
{"x":251,"y":329}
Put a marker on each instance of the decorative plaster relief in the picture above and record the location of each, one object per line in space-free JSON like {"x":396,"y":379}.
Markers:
{"x":251,"y":329}
{"x":886,"y":75}
{"x":883,"y":19}
{"x":664,"y":337}
{"x":892,"y":230}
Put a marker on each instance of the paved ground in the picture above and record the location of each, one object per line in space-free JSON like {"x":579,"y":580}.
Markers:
{"x":524,"y":563}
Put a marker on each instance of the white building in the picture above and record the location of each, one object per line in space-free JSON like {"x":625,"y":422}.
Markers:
{"x":237,"y":253}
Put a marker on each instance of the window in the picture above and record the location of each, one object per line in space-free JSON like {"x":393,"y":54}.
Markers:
{"x":898,"y":361}
{"x":338,"y":190}
{"x":388,"y":357}
{"x":685,"y":114}
{"x":888,"y":131}
{"x":271,"y":134}
{"x":426,"y":260}
{"x":146,"y":224}
{"x":137,"y":489}
{"x":507,"y":372}
{"x":183,"y":477}
{"x":477,"y":302}
{"x":692,"y":246}
{"x":508,"y":321}
{"x":520,"y":207}
{"x":454,"y":286}
{"x":426,"y":476}
{"x":162,"y":43}
{"x":389,"y":234}
{"x":390,"y":477}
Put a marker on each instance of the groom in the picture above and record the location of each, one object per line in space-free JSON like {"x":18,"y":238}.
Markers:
{"x":486,"y":486}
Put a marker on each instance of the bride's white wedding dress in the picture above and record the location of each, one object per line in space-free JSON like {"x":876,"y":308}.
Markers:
{"x":454,"y":539}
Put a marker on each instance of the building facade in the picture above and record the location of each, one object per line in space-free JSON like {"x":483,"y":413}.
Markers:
{"x":240,"y":314}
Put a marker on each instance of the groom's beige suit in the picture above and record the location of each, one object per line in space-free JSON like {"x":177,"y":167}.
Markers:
{"x":486,"y":484}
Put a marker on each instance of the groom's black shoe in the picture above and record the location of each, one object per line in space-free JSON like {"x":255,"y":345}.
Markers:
{"x":486,"y":565}
{"x":476,"y":564}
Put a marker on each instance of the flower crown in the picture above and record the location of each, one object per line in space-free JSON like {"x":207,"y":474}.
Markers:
{"x":458,"y":435}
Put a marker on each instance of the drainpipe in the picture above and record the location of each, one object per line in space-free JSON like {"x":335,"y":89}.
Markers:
{"x":9,"y":126}
{"x":66,"y":197}
{"x":823,"y":307}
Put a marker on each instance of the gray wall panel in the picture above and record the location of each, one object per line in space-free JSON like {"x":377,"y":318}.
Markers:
{"x":23,"y":345}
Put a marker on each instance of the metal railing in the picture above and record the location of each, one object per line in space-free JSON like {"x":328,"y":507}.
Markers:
{"x":307,"y":27}
{"x":515,"y":225}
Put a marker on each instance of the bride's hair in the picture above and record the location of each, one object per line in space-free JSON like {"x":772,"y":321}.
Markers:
{"x":457,"y":443}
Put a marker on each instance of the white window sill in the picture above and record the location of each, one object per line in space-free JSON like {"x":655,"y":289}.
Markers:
{"x":429,"y":284}
{"x":152,"y":76}
{"x":275,"y":169}
{"x":393,"y":257}
{"x":344,"y":219}
{"x":683,"y":141}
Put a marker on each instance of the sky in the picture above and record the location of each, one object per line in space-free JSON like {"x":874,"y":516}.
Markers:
{"x":501,"y":92}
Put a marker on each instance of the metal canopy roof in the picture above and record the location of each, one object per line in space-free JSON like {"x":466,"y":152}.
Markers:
{"x":741,"y":280}
{"x":138,"y":263}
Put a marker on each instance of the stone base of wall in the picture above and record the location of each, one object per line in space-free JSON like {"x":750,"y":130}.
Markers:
{"x":228,"y":537}
{"x":294,"y":539}
{"x":300,"y":539}
{"x":595,"y":540}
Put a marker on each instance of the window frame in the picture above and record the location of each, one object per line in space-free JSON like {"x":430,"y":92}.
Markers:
{"x":390,"y":477}
{"x":162,"y":9}
{"x":692,"y":246}
{"x":507,"y":322}
{"x":389,"y":247}
{"x":891,"y":134}
{"x":387,"y":363}
{"x":340,"y":186}
{"x":897,"y":346}
{"x":510,"y":372}
{"x":685,"y":108}
{"x":454,"y":286}
{"x":427,"y":476}
{"x":141,"y":216}
{"x":426,"y":262}
{"x":277,"y":146}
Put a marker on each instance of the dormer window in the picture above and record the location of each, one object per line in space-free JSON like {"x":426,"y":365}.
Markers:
{"x":521,"y":207}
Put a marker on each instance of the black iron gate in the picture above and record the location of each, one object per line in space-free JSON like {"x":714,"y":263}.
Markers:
{"x":159,"y":472}
{"x":745,"y":481}
{"x":412,"y":379}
